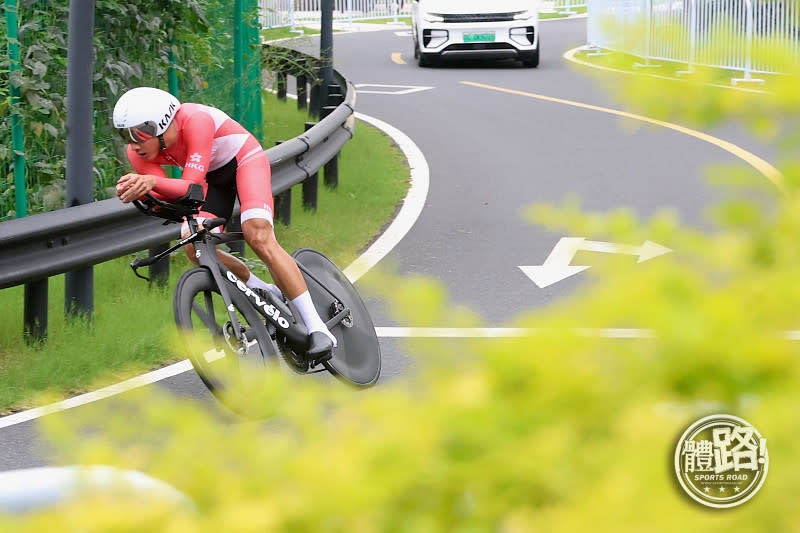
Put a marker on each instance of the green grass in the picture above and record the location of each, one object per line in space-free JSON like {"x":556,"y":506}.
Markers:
{"x":561,"y":14}
{"x":132,"y":322}
{"x":389,"y":20}
{"x":274,"y":34}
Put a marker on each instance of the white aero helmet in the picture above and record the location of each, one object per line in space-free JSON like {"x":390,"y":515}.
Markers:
{"x":143,"y":113}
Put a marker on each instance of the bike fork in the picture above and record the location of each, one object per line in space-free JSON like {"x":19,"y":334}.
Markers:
{"x":234,"y":327}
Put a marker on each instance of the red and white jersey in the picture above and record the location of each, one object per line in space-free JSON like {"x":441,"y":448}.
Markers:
{"x":207,"y":140}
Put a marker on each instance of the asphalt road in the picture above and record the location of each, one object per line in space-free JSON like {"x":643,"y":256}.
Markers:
{"x":491,"y":154}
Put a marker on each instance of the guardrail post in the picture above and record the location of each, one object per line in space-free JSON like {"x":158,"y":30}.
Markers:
{"x":235,"y":225}
{"x":326,"y":49}
{"x":79,"y":284}
{"x":302,"y":85}
{"x":283,"y":207}
{"x":283,"y":204}
{"x":314,"y":106}
{"x":281,"y":80}
{"x":159,"y":272}
{"x":35,"y":323}
{"x":331,"y":168}
{"x":310,"y":184}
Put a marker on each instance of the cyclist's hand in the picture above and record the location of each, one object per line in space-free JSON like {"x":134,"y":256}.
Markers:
{"x":133,"y":186}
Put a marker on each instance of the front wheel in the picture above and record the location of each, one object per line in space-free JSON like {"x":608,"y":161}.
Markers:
{"x":532,"y":60}
{"x":225,"y":359}
{"x":427,"y":60}
{"x":357,"y":356}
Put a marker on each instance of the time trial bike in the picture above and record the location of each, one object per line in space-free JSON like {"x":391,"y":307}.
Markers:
{"x":228,"y":328}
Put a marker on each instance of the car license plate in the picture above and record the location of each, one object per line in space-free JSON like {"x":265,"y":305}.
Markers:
{"x":478,"y":37}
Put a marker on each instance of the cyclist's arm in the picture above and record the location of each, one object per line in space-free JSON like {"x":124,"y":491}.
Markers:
{"x":198,"y":136}
{"x":135,"y":185}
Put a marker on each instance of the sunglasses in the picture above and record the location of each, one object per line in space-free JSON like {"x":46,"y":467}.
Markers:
{"x":138,"y":134}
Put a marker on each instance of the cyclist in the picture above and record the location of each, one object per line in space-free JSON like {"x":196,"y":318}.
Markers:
{"x":218,"y":153}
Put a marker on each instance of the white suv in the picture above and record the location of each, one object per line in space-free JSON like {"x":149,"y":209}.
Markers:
{"x":495,"y":29}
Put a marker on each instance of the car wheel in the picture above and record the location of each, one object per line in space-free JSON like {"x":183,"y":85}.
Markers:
{"x":532,"y":60}
{"x":426,"y":60}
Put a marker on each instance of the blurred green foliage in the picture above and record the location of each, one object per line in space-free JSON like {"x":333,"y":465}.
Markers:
{"x":562,"y":430}
{"x":135,"y":43}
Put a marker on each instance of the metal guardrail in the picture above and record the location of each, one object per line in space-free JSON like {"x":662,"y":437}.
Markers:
{"x":40,"y":246}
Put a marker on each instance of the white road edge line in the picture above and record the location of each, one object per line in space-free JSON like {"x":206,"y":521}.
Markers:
{"x":494,"y":333}
{"x":412,"y":206}
{"x":100,"y":394}
{"x":402,"y":224}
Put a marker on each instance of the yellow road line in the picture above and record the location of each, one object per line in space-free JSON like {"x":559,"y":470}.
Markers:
{"x":397,"y":57}
{"x":771,"y":173}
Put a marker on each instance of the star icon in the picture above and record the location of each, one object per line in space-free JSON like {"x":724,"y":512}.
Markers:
{"x":708,"y":489}
{"x":737,"y":489}
{"x":722,"y":489}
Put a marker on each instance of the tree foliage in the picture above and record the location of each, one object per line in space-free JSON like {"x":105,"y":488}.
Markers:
{"x":135,"y":43}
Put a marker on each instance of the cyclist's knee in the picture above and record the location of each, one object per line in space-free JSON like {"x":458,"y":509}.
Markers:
{"x":260,"y":236}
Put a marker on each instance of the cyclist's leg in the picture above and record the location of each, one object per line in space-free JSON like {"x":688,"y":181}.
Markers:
{"x":260,"y":235}
{"x":255,"y":197}
{"x":219,"y":203}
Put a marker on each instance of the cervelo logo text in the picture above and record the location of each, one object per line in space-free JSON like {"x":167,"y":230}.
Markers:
{"x":194,"y":162}
{"x":164,"y":122}
{"x":270,"y":310}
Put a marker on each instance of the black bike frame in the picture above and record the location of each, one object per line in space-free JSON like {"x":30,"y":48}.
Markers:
{"x":273,"y":310}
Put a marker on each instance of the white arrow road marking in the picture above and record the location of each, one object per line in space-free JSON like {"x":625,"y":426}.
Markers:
{"x":557,"y":265}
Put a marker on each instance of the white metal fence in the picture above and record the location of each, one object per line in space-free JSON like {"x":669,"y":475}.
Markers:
{"x":292,"y":13}
{"x":728,"y":34}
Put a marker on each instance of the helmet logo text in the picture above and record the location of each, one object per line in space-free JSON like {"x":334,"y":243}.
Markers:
{"x":164,"y":122}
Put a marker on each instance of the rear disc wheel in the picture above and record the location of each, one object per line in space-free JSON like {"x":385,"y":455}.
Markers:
{"x":357,"y":356}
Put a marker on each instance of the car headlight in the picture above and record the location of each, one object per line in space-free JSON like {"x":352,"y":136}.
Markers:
{"x":523,"y":15}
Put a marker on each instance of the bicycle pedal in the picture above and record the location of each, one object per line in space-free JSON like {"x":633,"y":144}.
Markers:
{"x":327,"y":356}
